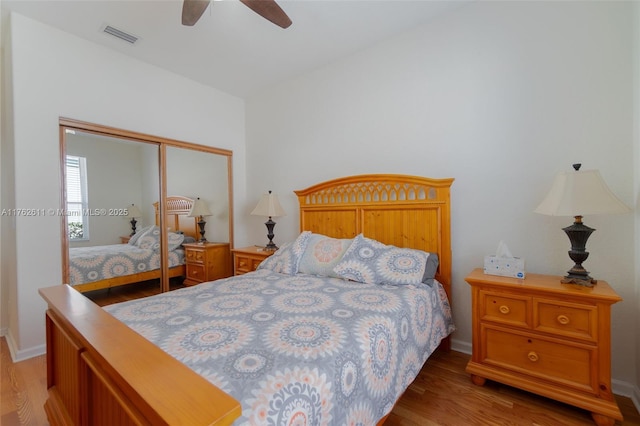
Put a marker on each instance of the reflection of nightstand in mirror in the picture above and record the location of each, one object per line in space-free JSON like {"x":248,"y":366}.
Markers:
{"x":206,"y":262}
{"x":247,"y":259}
{"x":125,"y":239}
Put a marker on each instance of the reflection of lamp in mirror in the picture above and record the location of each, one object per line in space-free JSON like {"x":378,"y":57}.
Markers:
{"x":575,"y":194}
{"x":133,"y":211}
{"x":269,"y":206}
{"x":199,"y":210}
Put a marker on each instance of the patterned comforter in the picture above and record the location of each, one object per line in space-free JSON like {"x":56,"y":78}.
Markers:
{"x":298,"y":349}
{"x":89,"y":264}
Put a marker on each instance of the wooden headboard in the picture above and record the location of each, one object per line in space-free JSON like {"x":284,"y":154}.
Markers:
{"x":400,"y":210}
{"x":177,"y":216}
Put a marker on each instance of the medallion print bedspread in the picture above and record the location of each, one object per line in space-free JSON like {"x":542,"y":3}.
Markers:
{"x":88,"y":264}
{"x":298,"y":349}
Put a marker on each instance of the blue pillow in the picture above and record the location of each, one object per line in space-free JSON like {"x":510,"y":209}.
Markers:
{"x":188,"y":239}
{"x":431,"y":269}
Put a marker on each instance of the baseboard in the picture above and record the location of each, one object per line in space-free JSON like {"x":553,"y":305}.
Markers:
{"x":20,"y":355}
{"x":461,"y":346}
{"x":627,"y":389}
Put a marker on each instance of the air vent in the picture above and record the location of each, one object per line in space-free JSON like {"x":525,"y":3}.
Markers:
{"x":120,"y":34}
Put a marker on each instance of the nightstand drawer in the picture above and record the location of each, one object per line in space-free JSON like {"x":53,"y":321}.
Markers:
{"x":246,"y":264}
{"x":505,"y":308}
{"x":247,"y":259}
{"x":566,"y":319}
{"x":196,"y":272}
{"x":197,"y":256}
{"x":568,"y":365}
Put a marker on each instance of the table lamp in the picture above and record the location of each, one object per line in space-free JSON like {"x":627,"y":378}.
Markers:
{"x":200,"y":210}
{"x":576,"y":194}
{"x":133,"y":211}
{"x":269,"y":206}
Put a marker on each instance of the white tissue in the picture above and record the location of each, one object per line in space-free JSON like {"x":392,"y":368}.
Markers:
{"x":504,"y":263}
{"x":503,"y":250}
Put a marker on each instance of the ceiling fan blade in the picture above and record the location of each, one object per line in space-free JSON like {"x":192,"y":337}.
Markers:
{"x":269,"y":10}
{"x":192,"y":10}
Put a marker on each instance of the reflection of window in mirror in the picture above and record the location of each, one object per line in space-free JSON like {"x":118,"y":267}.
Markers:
{"x":77,"y":198}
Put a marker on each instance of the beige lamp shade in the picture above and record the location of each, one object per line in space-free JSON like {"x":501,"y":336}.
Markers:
{"x":577,"y":194}
{"x":199,"y":208}
{"x":133,"y":211}
{"x":269,"y":205}
{"x":580,"y":193}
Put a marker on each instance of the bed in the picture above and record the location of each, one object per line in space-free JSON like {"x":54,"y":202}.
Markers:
{"x":102,"y":372}
{"x":99,"y":267}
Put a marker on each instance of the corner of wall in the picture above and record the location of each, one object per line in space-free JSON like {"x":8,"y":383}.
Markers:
{"x":7,"y":189}
{"x":18,"y":355}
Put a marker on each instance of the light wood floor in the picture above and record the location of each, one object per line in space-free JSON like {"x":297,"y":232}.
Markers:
{"x":442,"y":394}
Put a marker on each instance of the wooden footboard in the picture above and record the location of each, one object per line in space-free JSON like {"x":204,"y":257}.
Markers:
{"x":92,"y":381}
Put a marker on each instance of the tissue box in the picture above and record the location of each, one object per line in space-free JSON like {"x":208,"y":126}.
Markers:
{"x":504,"y":266}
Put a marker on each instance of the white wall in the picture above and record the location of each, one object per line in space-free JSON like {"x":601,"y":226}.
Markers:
{"x":498,"y":95}
{"x":55,"y":74}
{"x":211,"y":186}
{"x":114,"y":181}
{"x":151,"y":172}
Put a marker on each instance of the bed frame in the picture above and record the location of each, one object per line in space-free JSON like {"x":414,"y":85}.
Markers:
{"x":177,"y":220}
{"x":100,"y":372}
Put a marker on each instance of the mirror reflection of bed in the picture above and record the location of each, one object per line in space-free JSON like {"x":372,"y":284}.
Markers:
{"x":121,"y":168}
{"x":94,"y":269}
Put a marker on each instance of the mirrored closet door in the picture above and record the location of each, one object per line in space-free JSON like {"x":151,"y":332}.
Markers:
{"x":128,"y":204}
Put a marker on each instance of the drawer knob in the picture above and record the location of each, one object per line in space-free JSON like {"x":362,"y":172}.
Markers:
{"x":504,"y":309}
{"x":563,"y":319}
{"x":533,"y":357}
{"x":242,"y":263}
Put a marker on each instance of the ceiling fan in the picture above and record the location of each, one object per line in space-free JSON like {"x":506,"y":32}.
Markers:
{"x":192,"y":10}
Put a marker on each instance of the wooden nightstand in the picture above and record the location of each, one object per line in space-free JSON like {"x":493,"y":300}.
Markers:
{"x":206,"y":262}
{"x":247,"y":259}
{"x":124,"y":239}
{"x":545,"y":337}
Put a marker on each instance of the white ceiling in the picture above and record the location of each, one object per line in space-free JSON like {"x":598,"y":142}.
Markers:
{"x":232,"y":48}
